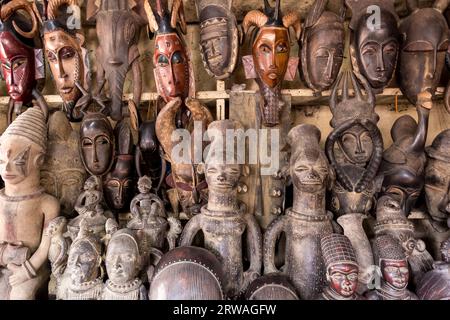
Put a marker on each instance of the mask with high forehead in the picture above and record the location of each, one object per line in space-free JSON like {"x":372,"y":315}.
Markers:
{"x":170,"y":58}
{"x":65,"y":54}
{"x":219,"y":37}
{"x":270,"y":54}
{"x":422,"y":56}
{"x":118,"y":29}
{"x":17,"y":50}
{"x":322,"y":46}
{"x":375,"y":40}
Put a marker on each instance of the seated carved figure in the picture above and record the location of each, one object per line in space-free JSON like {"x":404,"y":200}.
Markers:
{"x":394,"y":271}
{"x":342,"y":268}
{"x":25,"y":209}
{"x":223,"y":220}
{"x":307,"y":221}
{"x":122,"y":265}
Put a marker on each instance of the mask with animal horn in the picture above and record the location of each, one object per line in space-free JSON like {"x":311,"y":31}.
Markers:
{"x":66,"y":56}
{"x":118,"y":29}
{"x":21,"y":58}
{"x":322,"y":46}
{"x":354,"y":147}
{"x":185,"y":178}
{"x":173,"y":72}
{"x":375,"y":40}
{"x":270,"y":62}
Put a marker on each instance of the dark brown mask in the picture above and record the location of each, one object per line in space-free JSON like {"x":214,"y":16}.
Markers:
{"x":219,"y":38}
{"x":425,"y":42}
{"x":322,"y":47}
{"x":118,"y":185}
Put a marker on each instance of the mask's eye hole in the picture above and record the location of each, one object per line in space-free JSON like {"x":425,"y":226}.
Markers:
{"x":177,"y":58}
{"x":163,"y":61}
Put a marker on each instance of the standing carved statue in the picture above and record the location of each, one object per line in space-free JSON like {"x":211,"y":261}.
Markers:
{"x":65,"y":52}
{"x":271,"y":287}
{"x":391,"y":220}
{"x":188,"y":186}
{"x":359,"y":150}
{"x":21,"y":57}
{"x":148,"y":154}
{"x":25,"y":209}
{"x":118,"y":29}
{"x":219,"y":37}
{"x":342,"y":268}
{"x":403,"y":165}
{"x":307,"y":221}
{"x":123,"y":262}
{"x":149,"y":220}
{"x":322,"y":46}
{"x":118,"y":184}
{"x":201,"y":271}
{"x":63,"y":173}
{"x":223,"y":220}
{"x":391,"y":258}
{"x":435,"y":285}
{"x":270,"y":63}
{"x":174,"y":76}
{"x":375,"y":43}
{"x":425,"y":42}
{"x":83,"y":276}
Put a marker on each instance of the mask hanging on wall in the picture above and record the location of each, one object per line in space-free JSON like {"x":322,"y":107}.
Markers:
{"x":65,"y":53}
{"x":425,"y":42}
{"x":322,"y":46}
{"x":375,"y":40}
{"x":269,"y":63}
{"x":21,"y":58}
{"x":118,"y":28}
{"x":219,"y":37}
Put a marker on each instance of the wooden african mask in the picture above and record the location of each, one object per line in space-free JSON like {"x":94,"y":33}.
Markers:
{"x":437,"y":177}
{"x":322,"y":46}
{"x":118,"y":29}
{"x":188,"y":184}
{"x":425,"y":42}
{"x":65,"y":54}
{"x":173,"y":74}
{"x":118,"y":184}
{"x":375,"y":40}
{"x":354,"y":147}
{"x":63,"y":173}
{"x":270,"y":62}
{"x":21,"y":59}
{"x":307,"y":221}
{"x":403,"y":165}
{"x":219,"y":37}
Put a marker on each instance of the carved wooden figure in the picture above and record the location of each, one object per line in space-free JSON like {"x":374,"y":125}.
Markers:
{"x":425,"y":42}
{"x":65,"y":52}
{"x":270,"y":63}
{"x":322,"y":46}
{"x":219,"y":37}
{"x":188,"y":187}
{"x":307,"y":221}
{"x":25,"y":209}
{"x":375,"y":40}
{"x":21,"y":58}
{"x":223,"y":220}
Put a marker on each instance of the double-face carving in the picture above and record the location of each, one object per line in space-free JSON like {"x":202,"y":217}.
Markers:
{"x":354,"y":147}
{"x":375,"y":40}
{"x":322,"y":46}
{"x":219,"y":37}
{"x":21,"y":60}
{"x":425,"y":42}
{"x":270,"y":54}
{"x":118,"y":29}
{"x":65,"y":53}
{"x":173,"y":74}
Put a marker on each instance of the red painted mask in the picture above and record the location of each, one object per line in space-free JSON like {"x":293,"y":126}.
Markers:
{"x":395,"y":272}
{"x":344,"y":279}
{"x":171,"y":67}
{"x":18,"y":67}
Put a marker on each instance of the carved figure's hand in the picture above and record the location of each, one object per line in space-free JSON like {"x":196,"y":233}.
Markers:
{"x":19,"y":276}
